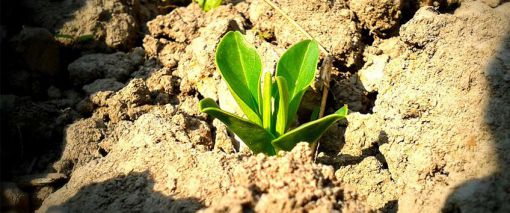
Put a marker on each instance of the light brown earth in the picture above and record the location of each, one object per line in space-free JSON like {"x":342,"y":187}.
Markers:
{"x":428,"y":129}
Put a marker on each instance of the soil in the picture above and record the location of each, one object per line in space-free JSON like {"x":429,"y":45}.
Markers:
{"x":110,"y":123}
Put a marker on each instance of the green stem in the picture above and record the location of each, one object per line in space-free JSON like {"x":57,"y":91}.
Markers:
{"x":266,"y":95}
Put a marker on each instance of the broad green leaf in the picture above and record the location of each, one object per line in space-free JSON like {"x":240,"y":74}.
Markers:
{"x":297,"y":65}
{"x":283,"y":104}
{"x":309,"y":132}
{"x":241,"y":67}
{"x":252,"y":115}
{"x":294,"y":104}
{"x":207,"y":5}
{"x":266,"y":101}
{"x":254,"y":136}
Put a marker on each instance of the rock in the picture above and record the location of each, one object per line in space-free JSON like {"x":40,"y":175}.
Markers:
{"x":377,"y":16}
{"x":80,"y":144}
{"x":101,"y":98}
{"x":171,"y":53}
{"x":38,"y":49}
{"x":126,"y":104}
{"x":170,"y":34}
{"x":162,"y":81}
{"x":113,"y":133}
{"x":135,"y":93}
{"x":88,"y":68}
{"x":180,"y":25}
{"x":372,"y":72}
{"x":120,"y":31}
{"x":363,"y":133}
{"x":86,"y":24}
{"x":422,"y":34}
{"x":95,"y":66}
{"x":137,"y":55}
{"x":106,"y":84}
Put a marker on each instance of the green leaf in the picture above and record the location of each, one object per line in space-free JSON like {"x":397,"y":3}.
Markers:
{"x":253,"y":116}
{"x":254,"y":136}
{"x":207,"y":5}
{"x":266,"y":95}
{"x":241,"y":67}
{"x":297,"y":65}
{"x":283,"y":104}
{"x":309,"y":132}
{"x":294,"y":104}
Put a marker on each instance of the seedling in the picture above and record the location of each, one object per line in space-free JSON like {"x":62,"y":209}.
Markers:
{"x":207,"y":5}
{"x":271,"y":104}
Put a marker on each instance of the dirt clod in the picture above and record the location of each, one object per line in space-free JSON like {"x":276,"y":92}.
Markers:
{"x":81,"y":144}
{"x":330,"y":22}
{"x":377,"y":16}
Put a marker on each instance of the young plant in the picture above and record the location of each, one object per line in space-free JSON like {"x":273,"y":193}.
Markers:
{"x":207,"y":5}
{"x":270,"y":104}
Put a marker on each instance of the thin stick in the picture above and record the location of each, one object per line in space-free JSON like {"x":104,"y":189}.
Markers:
{"x":326,"y":78}
{"x":274,"y":6}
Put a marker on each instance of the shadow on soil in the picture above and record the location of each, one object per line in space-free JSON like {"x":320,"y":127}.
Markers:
{"x":492,"y":193}
{"x":130,"y":193}
{"x":31,"y":126}
{"x":346,"y":159}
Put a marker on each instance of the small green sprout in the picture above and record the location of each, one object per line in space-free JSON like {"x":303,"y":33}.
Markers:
{"x":207,"y":5}
{"x":270,"y":104}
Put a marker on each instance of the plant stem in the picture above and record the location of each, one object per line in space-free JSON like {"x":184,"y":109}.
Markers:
{"x":266,"y":96}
